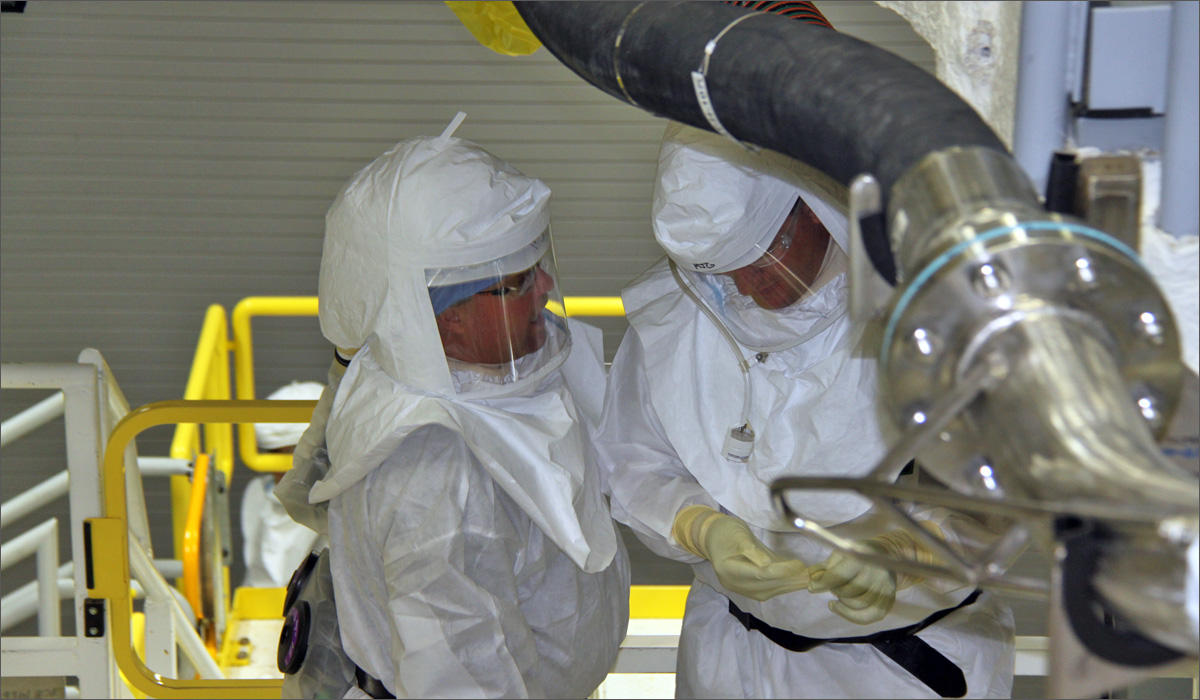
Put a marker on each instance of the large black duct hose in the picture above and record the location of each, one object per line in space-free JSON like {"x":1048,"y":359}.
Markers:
{"x":829,"y":100}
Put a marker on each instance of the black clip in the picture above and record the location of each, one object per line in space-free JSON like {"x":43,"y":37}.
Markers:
{"x":93,"y":617}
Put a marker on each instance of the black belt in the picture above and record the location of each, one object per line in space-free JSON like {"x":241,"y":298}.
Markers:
{"x":370,"y":684}
{"x":901,"y":645}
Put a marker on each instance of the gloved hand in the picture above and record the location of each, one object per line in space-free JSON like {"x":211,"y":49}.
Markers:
{"x":866,"y":592}
{"x":742,"y":563}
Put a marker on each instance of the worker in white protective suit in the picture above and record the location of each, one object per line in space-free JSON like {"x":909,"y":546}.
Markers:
{"x":272,"y":542}
{"x":471,"y":549}
{"x":741,"y":366}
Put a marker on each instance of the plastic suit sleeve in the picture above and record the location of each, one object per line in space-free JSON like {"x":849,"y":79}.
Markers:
{"x":649,"y":484}
{"x":307,"y":467}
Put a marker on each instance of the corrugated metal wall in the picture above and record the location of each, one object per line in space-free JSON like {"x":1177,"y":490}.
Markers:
{"x":158,"y":157}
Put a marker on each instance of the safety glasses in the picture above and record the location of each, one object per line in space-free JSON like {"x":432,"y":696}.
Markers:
{"x":517,"y":284}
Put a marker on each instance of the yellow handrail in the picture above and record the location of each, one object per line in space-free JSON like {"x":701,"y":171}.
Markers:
{"x":191,"y":536}
{"x":658,"y":601}
{"x":243,"y":362}
{"x":594,"y":306}
{"x":208,"y":379}
{"x":109,"y":538}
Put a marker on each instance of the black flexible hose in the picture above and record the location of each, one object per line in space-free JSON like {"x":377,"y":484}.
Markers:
{"x":832,"y":101}
{"x":1084,"y":542}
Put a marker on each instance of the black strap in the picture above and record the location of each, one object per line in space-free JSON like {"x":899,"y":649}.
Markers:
{"x":370,"y":684}
{"x":900,"y":645}
{"x":926,"y":664}
{"x":341,"y":360}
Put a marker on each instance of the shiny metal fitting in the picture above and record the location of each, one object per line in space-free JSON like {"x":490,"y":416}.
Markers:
{"x":933,"y":205}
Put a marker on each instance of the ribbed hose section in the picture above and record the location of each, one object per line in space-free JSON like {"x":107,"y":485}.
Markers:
{"x":832,"y":101}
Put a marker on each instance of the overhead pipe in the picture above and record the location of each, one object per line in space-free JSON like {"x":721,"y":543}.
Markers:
{"x":829,"y":100}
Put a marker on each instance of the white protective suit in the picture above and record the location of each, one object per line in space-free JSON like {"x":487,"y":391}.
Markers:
{"x":273,"y":544}
{"x":675,"y":390}
{"x":472,"y":551}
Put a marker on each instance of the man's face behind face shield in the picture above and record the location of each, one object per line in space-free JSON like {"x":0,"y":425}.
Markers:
{"x":501,"y":323}
{"x":789,"y":264}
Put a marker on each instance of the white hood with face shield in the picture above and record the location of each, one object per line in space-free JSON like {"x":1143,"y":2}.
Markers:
{"x":427,"y":203}
{"x":717,"y":207}
{"x":810,"y":394}
{"x":416,"y":217}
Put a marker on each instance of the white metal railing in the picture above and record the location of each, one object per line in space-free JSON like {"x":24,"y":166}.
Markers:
{"x":91,"y":404}
{"x":23,"y":603}
{"x":87,"y":658}
{"x":56,"y":486}
{"x":33,"y":498}
{"x":33,"y":417}
{"x":157,"y":590}
{"x":41,"y":540}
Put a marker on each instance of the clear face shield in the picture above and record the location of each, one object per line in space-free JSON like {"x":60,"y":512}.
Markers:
{"x":501,"y":321}
{"x":776,"y":300}
{"x":788,"y":265}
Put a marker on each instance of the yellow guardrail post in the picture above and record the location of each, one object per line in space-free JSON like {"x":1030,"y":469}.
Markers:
{"x":190,"y":557}
{"x":243,"y":362}
{"x":658,"y":601}
{"x":109,"y":540}
{"x":208,"y":379}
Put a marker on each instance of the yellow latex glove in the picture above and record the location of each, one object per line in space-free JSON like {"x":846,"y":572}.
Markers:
{"x":742,"y":563}
{"x":865,"y":592}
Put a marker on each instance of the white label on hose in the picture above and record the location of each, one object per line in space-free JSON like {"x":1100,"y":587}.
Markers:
{"x":706,"y":106}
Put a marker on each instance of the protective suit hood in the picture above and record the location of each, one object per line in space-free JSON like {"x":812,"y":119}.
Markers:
{"x":402,"y":215}
{"x":717,"y":205}
{"x":711,"y":192}
{"x":441,"y":204}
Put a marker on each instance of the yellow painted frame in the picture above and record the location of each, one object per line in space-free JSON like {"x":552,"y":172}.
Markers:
{"x":249,"y":604}
{"x":665,"y":602}
{"x":243,"y":362}
{"x":191,"y":535}
{"x":208,"y":379}
{"x":190,"y":557}
{"x":110,"y":538}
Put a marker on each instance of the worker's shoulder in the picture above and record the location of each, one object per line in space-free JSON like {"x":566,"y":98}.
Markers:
{"x":424,"y":471}
{"x":431,"y":447}
{"x":653,"y":293}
